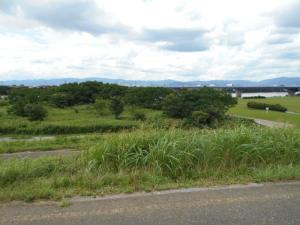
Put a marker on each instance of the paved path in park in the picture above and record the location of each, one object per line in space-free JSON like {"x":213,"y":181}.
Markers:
{"x":262,"y":204}
{"x":266,"y":123}
{"x":270,"y":123}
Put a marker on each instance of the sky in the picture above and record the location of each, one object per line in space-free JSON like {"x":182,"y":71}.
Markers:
{"x":149,"y":39}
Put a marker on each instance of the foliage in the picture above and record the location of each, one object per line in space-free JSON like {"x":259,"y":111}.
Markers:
{"x":263,"y":106}
{"x":183,"y":103}
{"x":116,"y":107}
{"x":61,"y":100}
{"x":32,"y":111}
{"x":3,"y":102}
{"x":139,"y":115}
{"x":101,"y":106}
{"x":29,"y":95}
{"x":255,"y":97}
{"x":67,"y":94}
{"x":17,"y":109}
{"x":4,"y":90}
{"x":146,"y":97}
{"x":199,"y":118}
{"x":65,"y":121}
{"x":35,"y":112}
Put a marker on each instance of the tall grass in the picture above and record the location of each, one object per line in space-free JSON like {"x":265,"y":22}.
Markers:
{"x":176,"y":152}
{"x":155,"y":159}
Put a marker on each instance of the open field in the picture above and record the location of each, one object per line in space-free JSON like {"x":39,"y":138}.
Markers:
{"x":20,"y":143}
{"x":125,"y":155}
{"x":292,"y":103}
{"x":157,"y":159}
{"x":79,"y":119}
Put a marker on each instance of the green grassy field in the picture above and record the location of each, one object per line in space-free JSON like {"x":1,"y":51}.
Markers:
{"x":80,"y":119}
{"x":155,"y":160}
{"x":292,"y":104}
{"x":156,"y":154}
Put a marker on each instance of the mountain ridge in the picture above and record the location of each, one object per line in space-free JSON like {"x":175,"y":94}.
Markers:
{"x":284,"y":81}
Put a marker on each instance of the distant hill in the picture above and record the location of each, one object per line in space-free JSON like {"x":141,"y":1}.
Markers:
{"x":285,"y":81}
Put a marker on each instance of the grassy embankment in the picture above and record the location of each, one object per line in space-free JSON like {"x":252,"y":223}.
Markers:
{"x":21,"y":143}
{"x":155,"y":160}
{"x":291,"y":103}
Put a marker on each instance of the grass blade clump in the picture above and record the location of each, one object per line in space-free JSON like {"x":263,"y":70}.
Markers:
{"x":177,"y":152}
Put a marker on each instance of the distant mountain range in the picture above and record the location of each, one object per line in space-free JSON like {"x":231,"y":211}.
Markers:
{"x":280,"y":81}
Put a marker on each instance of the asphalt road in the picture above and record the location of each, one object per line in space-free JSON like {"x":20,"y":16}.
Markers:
{"x":271,"y":203}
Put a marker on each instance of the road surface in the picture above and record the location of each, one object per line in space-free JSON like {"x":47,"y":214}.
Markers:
{"x":270,"y":203}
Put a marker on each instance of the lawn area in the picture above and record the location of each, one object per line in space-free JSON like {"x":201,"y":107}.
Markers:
{"x":79,"y":119}
{"x":292,"y":104}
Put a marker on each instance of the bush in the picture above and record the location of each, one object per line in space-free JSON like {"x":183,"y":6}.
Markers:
{"x":3,"y":102}
{"x":263,"y":106}
{"x":17,"y":109}
{"x":35,"y":112}
{"x":116,"y":107}
{"x":254,"y":97}
{"x":199,"y":118}
{"x":139,"y":116}
{"x":61,"y":100}
{"x":278,"y":107}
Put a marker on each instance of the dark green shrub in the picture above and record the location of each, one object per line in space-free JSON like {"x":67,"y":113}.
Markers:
{"x":17,"y":109}
{"x":61,"y":100}
{"x":263,"y":106}
{"x":278,"y":107}
{"x":3,"y":102}
{"x":116,"y":107}
{"x":139,"y":116}
{"x":254,"y":97}
{"x":35,"y":112}
{"x":199,"y":118}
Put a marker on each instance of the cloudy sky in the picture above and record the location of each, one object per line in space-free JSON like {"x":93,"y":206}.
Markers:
{"x":149,"y":39}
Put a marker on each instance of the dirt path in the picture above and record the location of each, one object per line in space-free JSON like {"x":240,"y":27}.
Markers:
{"x":266,"y":123}
{"x":37,"y":154}
{"x":36,"y":138}
{"x":263,"y":204}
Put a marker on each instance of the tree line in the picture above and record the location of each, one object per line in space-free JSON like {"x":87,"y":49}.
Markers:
{"x":199,"y":106}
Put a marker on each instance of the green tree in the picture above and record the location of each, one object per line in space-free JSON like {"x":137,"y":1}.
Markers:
{"x":146,"y":97}
{"x":61,"y":100}
{"x":212,"y":102}
{"x":116,"y":107}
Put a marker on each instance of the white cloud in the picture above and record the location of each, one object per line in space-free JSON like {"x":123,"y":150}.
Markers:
{"x":136,"y":39}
